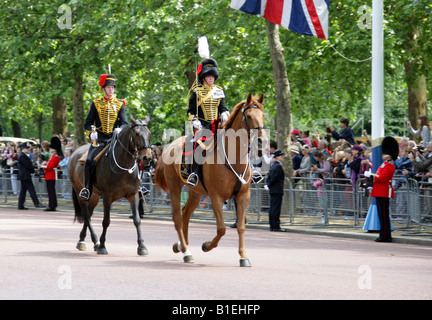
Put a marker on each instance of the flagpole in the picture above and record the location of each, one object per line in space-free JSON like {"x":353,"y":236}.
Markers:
{"x":377,"y":112}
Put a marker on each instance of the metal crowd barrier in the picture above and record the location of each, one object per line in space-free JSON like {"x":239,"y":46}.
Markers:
{"x":318,"y":202}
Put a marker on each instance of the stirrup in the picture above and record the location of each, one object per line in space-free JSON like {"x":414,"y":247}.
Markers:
{"x":192,"y":176}
{"x":144,"y":191}
{"x":84,"y":194}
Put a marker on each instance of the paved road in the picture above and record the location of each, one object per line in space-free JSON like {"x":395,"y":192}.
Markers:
{"x":38,"y":260}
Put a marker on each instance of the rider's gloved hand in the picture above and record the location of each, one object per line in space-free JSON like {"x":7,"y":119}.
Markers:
{"x":197,"y":124}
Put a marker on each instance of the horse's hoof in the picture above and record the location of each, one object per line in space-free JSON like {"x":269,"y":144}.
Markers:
{"x":102,"y":251}
{"x":96,"y":247}
{"x":176,"y":247}
{"x":204,"y":247}
{"x":142,"y":251}
{"x":81,"y":246}
{"x":245,"y":263}
{"x":188,"y":259}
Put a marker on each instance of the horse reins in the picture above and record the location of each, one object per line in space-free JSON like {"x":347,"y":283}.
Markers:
{"x":227,"y":163}
{"x":137,"y":149}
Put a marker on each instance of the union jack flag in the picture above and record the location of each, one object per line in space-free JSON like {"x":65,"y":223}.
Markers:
{"x":309,"y":17}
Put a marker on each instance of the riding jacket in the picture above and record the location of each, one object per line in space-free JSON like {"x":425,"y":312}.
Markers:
{"x":106,"y":115}
{"x":206,"y":103}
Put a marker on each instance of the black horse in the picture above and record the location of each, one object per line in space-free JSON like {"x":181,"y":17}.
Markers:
{"x":117,"y":176}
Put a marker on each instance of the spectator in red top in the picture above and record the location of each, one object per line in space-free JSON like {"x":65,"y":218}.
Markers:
{"x":50,"y":172}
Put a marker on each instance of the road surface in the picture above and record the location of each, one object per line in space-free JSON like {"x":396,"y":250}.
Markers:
{"x":38,"y":260}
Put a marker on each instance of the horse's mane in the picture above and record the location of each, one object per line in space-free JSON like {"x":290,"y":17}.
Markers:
{"x":238,"y":109}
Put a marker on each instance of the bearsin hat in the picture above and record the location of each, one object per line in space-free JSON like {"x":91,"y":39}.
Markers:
{"x":208,"y":67}
{"x":391,"y":147}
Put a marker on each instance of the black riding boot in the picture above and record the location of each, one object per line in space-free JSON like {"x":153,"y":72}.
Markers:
{"x":86,"y":192}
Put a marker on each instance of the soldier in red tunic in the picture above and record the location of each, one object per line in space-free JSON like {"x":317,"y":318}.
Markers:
{"x":50,"y":172}
{"x":382,"y":186}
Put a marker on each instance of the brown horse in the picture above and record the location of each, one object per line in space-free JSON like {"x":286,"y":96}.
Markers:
{"x":116,"y":177}
{"x":227,"y":175}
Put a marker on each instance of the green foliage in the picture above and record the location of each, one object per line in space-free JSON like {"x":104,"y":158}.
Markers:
{"x":152,"y":44}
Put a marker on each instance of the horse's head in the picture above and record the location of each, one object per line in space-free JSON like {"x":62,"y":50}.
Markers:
{"x":253,"y":118}
{"x":140,"y":135}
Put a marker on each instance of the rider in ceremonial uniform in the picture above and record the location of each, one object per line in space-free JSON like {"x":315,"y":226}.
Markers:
{"x":105,"y":114}
{"x":207,"y":102}
{"x":382,"y":188}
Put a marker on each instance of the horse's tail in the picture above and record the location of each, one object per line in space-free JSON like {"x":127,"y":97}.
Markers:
{"x":78,"y":212}
{"x":159,"y":176}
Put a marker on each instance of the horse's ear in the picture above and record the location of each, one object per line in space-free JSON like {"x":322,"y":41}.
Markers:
{"x":146,"y":120}
{"x":249,"y":98}
{"x":261,"y":98}
{"x":132,"y":119}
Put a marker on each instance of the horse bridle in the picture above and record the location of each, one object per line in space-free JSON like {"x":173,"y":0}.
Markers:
{"x":227,"y":162}
{"x":137,"y":149}
{"x":245,"y":118}
{"x":145,"y":146}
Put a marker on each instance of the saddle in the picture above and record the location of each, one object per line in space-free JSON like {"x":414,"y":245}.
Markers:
{"x":83,"y":158}
{"x":188,"y":163}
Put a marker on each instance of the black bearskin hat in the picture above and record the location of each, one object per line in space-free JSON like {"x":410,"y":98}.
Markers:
{"x":391,"y":147}
{"x":107,"y":80}
{"x":208,"y":67}
{"x":56,"y":144}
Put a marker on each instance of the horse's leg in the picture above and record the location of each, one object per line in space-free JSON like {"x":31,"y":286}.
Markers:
{"x":191,"y":204}
{"x":86,"y":211}
{"x":178,"y":224}
{"x":81,"y":246}
{"x":105,"y":224}
{"x":93,"y":203}
{"x":220,"y":225}
{"x":134,"y":200}
{"x":241,"y":203}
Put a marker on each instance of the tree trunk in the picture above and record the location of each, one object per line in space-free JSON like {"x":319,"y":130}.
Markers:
{"x":16,"y":128}
{"x":78,"y":111}
{"x":416,"y":82}
{"x":59,"y":116}
{"x":283,"y":103}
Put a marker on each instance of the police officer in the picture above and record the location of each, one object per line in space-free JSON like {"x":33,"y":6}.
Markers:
{"x":25,"y":170}
{"x":105,"y":114}
{"x":275,"y":185}
{"x":206,"y":102}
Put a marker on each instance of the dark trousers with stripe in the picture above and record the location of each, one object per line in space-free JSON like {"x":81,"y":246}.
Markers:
{"x":27,"y":185}
{"x":52,"y":195}
{"x":384,"y":217}
{"x":275,"y":210}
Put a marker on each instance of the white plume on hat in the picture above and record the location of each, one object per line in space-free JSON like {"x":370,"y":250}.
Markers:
{"x":203,"y":48}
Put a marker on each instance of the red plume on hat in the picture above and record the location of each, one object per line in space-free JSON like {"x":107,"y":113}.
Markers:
{"x":107,"y":80}
{"x":102,"y":79}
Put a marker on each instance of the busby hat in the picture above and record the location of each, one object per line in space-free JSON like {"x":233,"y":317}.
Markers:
{"x":391,"y":147}
{"x":208,"y":67}
{"x":107,"y":80}
{"x":56,"y":144}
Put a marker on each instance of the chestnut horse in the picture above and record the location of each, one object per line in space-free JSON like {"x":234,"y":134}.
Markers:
{"x":116,"y":177}
{"x":227,"y":175}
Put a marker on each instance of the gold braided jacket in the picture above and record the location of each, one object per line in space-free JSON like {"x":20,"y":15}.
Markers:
{"x":108,"y":112}
{"x":208,"y":100}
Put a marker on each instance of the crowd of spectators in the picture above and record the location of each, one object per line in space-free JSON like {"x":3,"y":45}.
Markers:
{"x":342,"y":156}
{"x":334,"y":154}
